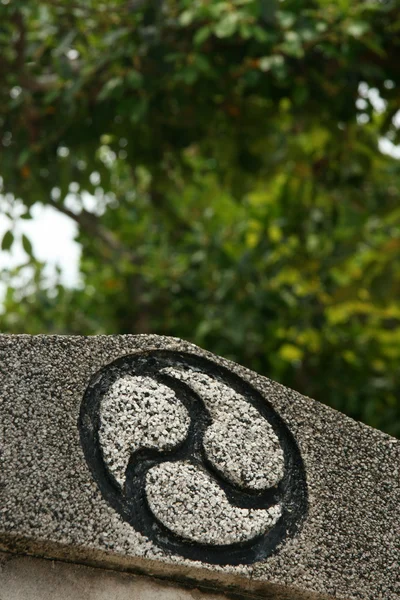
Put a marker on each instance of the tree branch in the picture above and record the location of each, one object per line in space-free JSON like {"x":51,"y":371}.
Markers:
{"x":138,"y":319}
{"x":91,"y":225}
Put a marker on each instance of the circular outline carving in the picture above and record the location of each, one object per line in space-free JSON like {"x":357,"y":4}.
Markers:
{"x":132,"y":504}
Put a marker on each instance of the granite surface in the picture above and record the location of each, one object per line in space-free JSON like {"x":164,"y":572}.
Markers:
{"x":149,"y":455}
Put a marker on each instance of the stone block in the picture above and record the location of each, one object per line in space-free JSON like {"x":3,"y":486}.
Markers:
{"x":148,"y":455}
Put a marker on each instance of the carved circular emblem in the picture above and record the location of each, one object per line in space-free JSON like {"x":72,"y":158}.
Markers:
{"x":193,"y":457}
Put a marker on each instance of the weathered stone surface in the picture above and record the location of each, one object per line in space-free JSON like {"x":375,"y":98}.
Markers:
{"x":147,"y":454}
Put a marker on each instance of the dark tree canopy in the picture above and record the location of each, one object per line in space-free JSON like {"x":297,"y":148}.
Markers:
{"x":243,"y":198}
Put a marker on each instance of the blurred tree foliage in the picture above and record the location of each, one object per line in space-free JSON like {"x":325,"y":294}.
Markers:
{"x":242,"y":197}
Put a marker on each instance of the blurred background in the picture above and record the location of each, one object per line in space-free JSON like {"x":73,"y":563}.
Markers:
{"x":223,"y":171}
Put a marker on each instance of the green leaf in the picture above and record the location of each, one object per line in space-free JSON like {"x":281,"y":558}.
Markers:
{"x":110,"y":87}
{"x":27,"y":246}
{"x":139,"y":109}
{"x":134,"y":79}
{"x":23,"y":157}
{"x":290,"y":353}
{"x":268,"y":62}
{"x":357,"y":28}
{"x":202,"y":35}
{"x":286,"y":19}
{"x":186,"y":17}
{"x":7,"y":241}
{"x":227,"y":26}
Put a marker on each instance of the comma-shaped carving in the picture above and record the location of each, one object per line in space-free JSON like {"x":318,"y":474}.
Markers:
{"x":193,"y":457}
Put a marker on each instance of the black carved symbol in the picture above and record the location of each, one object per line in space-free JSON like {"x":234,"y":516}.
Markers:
{"x":193,"y":457}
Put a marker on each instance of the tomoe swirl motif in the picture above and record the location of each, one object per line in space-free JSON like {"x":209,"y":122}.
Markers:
{"x":193,"y":457}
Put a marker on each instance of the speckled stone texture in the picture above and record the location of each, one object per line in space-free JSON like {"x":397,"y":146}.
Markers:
{"x":348,"y":546}
{"x":188,"y":502}
{"x":139,"y":413}
{"x":239,"y":443}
